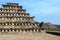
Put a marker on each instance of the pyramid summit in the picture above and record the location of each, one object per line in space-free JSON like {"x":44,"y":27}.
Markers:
{"x":14,"y":17}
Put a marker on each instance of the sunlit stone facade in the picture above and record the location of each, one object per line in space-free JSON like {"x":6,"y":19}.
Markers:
{"x":14,"y":18}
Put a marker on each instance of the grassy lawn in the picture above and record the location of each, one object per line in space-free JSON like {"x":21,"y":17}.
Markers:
{"x":55,"y":31}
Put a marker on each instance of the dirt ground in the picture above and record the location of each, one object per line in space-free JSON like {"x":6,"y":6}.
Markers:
{"x":29,"y":36}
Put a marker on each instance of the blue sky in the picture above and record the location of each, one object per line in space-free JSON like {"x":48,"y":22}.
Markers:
{"x":43,"y":10}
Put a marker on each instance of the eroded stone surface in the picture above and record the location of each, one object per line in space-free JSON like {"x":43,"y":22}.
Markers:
{"x":29,"y":36}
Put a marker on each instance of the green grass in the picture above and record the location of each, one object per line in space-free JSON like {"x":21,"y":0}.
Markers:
{"x":53,"y":31}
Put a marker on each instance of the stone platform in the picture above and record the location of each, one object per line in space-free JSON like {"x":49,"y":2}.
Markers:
{"x":28,"y":36}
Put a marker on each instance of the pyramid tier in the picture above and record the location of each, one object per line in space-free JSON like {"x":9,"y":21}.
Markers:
{"x":12,"y":5}
{"x":12,"y":10}
{"x":13,"y":14}
{"x":18,"y":24}
{"x":15,"y":18}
